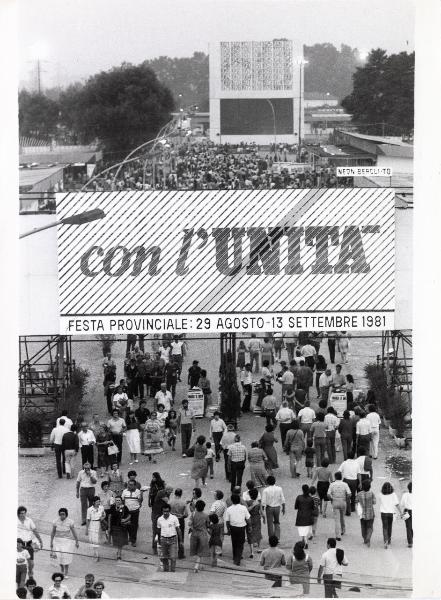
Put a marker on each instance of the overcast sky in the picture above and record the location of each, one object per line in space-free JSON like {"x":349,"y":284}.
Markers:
{"x":78,"y":38}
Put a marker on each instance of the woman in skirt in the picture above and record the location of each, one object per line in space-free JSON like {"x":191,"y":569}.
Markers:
{"x":254,"y":532}
{"x":198,"y":529}
{"x":119,"y":520}
{"x":199,"y":468}
{"x":103,"y":441}
{"x":132,"y":436}
{"x":115,"y":479}
{"x":95,"y":514}
{"x":305,"y":514}
{"x":324,"y":478}
{"x":153,"y":437}
{"x":63,"y":540}
{"x":256,"y":461}
{"x":241,"y":350}
{"x":171,"y":428}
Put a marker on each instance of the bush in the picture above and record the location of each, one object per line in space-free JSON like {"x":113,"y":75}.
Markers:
{"x":398,"y":412}
{"x":74,"y":393}
{"x":30,"y":429}
{"x":384,"y":394}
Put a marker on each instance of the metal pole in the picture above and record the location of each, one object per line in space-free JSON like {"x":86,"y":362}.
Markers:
{"x":274,"y":122}
{"x":37,"y":229}
{"x":300,"y":110}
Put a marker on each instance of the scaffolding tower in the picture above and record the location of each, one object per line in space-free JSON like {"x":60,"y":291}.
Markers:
{"x":397,"y":361}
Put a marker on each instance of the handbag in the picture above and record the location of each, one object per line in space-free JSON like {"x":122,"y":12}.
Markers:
{"x":359,"y":510}
{"x":112,"y":449}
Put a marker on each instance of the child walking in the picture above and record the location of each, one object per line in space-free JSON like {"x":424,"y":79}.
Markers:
{"x":309,"y":457}
{"x":215,"y":542}
{"x":209,"y":457}
{"x":315,"y":497}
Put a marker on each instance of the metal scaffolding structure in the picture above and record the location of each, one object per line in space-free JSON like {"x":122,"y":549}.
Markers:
{"x":397,"y":360}
{"x":45,"y":370}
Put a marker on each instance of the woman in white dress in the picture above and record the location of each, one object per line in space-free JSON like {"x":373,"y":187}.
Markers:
{"x":153,"y":437}
{"x":132,"y":436}
{"x":95,"y":514}
{"x":63,"y":540}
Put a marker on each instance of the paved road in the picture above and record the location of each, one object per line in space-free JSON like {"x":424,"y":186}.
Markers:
{"x":138,"y":574}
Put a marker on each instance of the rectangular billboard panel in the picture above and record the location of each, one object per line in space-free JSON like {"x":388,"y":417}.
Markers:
{"x":194,"y":260}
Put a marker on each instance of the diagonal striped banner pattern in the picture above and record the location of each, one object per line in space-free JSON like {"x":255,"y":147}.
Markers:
{"x":171,"y":252}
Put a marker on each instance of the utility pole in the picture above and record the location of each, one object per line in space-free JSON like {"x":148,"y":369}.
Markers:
{"x":39,"y":76}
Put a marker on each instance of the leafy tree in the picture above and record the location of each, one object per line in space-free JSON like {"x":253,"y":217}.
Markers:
{"x":382,"y":100}
{"x":122,"y":108}
{"x":186,"y":77}
{"x":37,"y":114}
{"x":330,"y":70}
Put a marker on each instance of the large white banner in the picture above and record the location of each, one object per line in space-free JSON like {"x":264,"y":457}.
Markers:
{"x":192,"y":261}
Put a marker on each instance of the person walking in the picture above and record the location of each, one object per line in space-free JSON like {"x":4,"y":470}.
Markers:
{"x":254,"y":347}
{"x":267,"y":442}
{"x":299,"y":567}
{"x":324,"y":478}
{"x":215,"y":530}
{"x":63,"y":540}
{"x":389,"y":505}
{"x":331,"y":346}
{"x":132,"y":498}
{"x":331,"y":568}
{"x":273,"y":502}
{"x":269,"y":407}
{"x":217,"y":430}
{"x":345,"y":430}
{"x":350,"y":470}
{"x":284,"y":416}
{"x":318,"y":433}
{"x":118,"y":523}
{"x":332,"y":423}
{"x":366,"y":501}
{"x":306,"y":416}
{"x":26,"y":530}
{"x":86,"y":481}
{"x":132,"y":436}
{"x":227,"y":439}
{"x":237,"y":518}
{"x":256,"y":462}
{"x":374,"y":419}
{"x":246,"y":380}
{"x":179,"y":509}
{"x":254,"y":534}
{"x":56,"y":441}
{"x":94,"y":517}
{"x":142,"y":413}
{"x":199,"y":468}
{"x":170,"y":540}
{"x":339,"y":494}
{"x":117,"y":426}
{"x":406,"y":511}
{"x":186,"y":425}
{"x":273,"y":558}
{"x":115,"y":479}
{"x":363,"y":433}
{"x":237,"y":454}
{"x":305,"y":377}
{"x":153,"y":437}
{"x":103,"y":441}
{"x":294,"y":446}
{"x":198,"y":524}
{"x":324,"y":384}
{"x":304,"y":505}
{"x":87,"y":440}
{"x":162,"y":499}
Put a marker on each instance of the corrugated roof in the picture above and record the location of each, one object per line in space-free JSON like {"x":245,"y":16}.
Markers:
{"x":395,"y":151}
{"x":30,"y":177}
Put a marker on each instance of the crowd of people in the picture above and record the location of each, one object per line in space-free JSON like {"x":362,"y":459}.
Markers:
{"x":204,"y":165}
{"x":145,"y":410}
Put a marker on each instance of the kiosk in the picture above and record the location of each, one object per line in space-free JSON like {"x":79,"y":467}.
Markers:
{"x":338,"y":400}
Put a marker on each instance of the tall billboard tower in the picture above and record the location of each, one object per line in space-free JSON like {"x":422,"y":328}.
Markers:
{"x":256,"y":91}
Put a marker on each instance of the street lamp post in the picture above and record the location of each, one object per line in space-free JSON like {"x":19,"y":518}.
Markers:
{"x":274,"y":122}
{"x":302,"y":62}
{"x":80,"y":219}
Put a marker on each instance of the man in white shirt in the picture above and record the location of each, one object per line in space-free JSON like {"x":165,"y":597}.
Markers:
{"x":56,"y":439}
{"x":350,"y":470}
{"x":87,"y":440}
{"x":236,"y":518}
{"x":374,"y":419}
{"x":170,"y":538}
{"x":26,"y":530}
{"x":67,"y":422}
{"x":331,"y":425}
{"x":285,"y":416}
{"x":308,"y":352}
{"x":338,"y":379}
{"x":325,"y":382}
{"x":363,"y":431}
{"x":272,"y":501}
{"x":306,"y":416}
{"x":217,"y":429}
{"x":120,"y":399}
{"x":132,"y":498}
{"x":164,"y":397}
{"x":177,"y":353}
{"x":86,"y":481}
{"x":329,"y":567}
{"x":226,"y":441}
{"x":286,"y":378}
